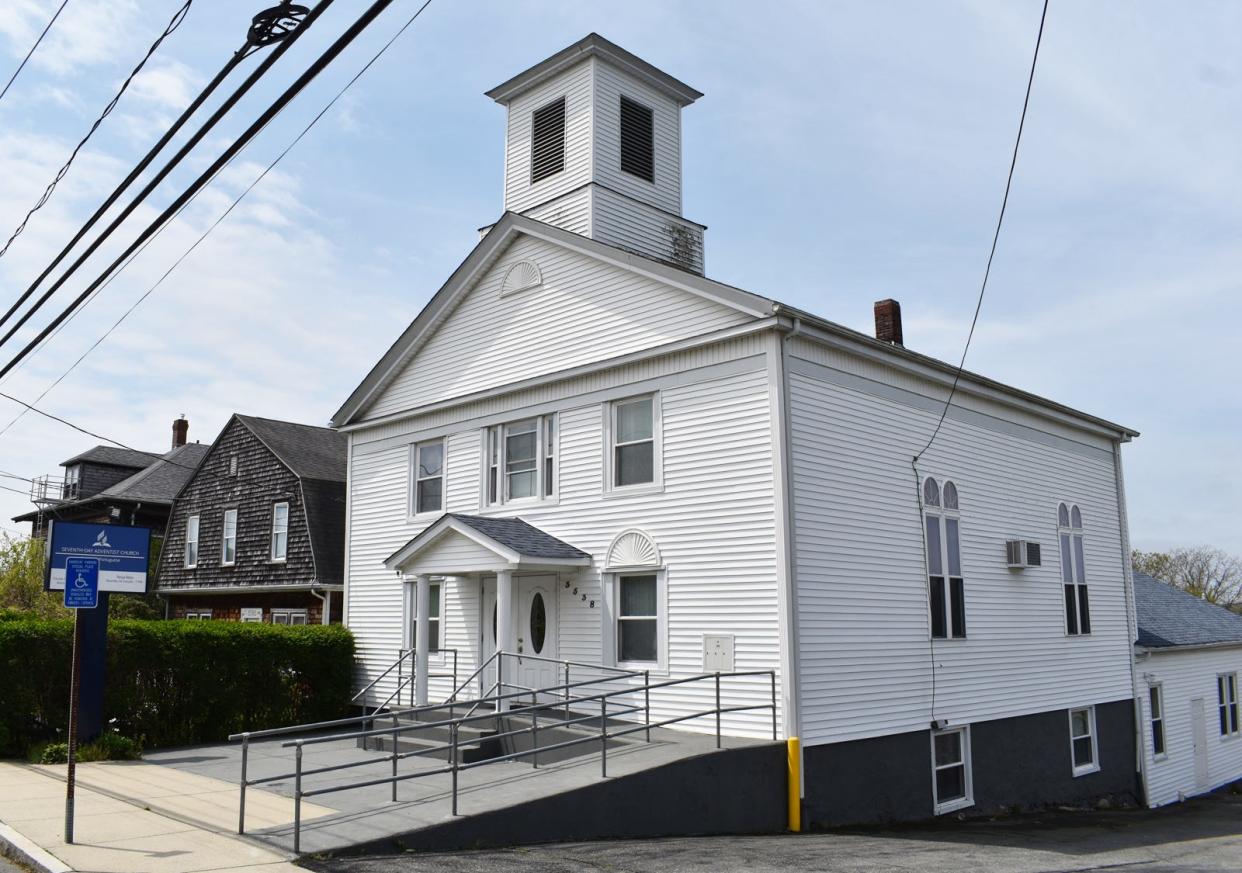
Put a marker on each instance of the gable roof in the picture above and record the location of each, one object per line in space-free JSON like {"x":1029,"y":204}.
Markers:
{"x":159,"y":482}
{"x":113,"y":456}
{"x":594,"y":45}
{"x":511,"y":539}
{"x":310,"y":452}
{"x":1169,"y":617}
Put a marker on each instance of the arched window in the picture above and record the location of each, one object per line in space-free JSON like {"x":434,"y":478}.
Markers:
{"x":931,"y":492}
{"x":942,"y":530}
{"x":1073,"y":570}
{"x":950,"y":495}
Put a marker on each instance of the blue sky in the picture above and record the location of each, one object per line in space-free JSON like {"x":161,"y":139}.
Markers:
{"x":844,"y":152}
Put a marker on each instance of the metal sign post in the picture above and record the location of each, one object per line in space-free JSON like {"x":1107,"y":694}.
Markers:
{"x":81,"y":592}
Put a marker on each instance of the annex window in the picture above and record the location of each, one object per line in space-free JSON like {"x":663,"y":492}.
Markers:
{"x":288,"y":616}
{"x":433,"y":619}
{"x":1083,"y":749}
{"x":951,"y":777}
{"x":634,"y":456}
{"x":1227,"y":703}
{"x":228,"y":549}
{"x":1155,"y":697}
{"x":191,"y":542}
{"x":428,"y":485}
{"x":521,"y":460}
{"x":547,"y":140}
{"x":73,"y":481}
{"x":946,"y":587}
{"x":280,"y":531}
{"x":198,"y":615}
{"x":637,"y":140}
{"x":638,"y":618}
{"x":1073,"y":570}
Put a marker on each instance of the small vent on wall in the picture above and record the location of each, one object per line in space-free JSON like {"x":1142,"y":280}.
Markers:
{"x":519,"y":277}
{"x":547,"y":140}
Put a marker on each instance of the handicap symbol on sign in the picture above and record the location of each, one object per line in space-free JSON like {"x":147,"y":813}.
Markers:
{"x":80,"y":582}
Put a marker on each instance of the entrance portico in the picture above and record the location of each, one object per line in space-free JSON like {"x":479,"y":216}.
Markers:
{"x":457,"y":547}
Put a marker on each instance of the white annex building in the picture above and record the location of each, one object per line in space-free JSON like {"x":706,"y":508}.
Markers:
{"x":583,"y":449}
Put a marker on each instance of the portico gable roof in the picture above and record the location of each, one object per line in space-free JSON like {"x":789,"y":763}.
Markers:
{"x":502,"y":542}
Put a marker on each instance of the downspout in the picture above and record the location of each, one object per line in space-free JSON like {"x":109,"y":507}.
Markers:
{"x":325,"y":614}
{"x":789,"y":666}
{"x":1140,"y":743}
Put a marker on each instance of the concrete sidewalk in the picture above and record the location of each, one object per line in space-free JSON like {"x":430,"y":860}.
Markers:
{"x":181,"y":825}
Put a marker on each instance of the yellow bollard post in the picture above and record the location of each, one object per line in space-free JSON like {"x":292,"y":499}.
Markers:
{"x":794,"y":768}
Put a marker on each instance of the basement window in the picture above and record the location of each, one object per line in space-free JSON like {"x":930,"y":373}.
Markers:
{"x":1083,"y":748}
{"x":637,"y":140}
{"x":952,"y":782}
{"x":547,"y":140}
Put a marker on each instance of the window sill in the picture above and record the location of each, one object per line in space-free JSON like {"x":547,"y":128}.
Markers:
{"x":632,"y":491}
{"x":954,"y":805}
{"x":277,"y":560}
{"x":522,"y":503}
{"x":424,"y":517}
{"x":1086,"y":770}
{"x":1228,"y":738}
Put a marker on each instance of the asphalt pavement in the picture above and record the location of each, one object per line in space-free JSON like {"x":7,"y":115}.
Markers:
{"x":1201,"y":836}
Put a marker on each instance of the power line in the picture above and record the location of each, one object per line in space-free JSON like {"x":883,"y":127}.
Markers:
{"x":173,"y":24}
{"x":20,"y":66}
{"x":1000,"y":220}
{"x":365,"y":19}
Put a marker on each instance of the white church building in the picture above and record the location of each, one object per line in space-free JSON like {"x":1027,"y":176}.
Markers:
{"x":583,"y":449}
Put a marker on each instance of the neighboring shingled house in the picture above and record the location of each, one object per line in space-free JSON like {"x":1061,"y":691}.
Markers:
{"x":258,"y":532}
{"x":1189,"y":655}
{"x":112,"y":485}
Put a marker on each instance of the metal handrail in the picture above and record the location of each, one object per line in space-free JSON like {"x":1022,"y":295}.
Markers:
{"x":404,"y":653}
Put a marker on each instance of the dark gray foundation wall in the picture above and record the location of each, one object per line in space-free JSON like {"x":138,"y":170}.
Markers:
{"x":1020,"y":763}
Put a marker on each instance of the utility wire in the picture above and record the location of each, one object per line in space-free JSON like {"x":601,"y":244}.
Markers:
{"x":20,"y":66}
{"x":1000,"y":220}
{"x":365,"y":19}
{"x":194,"y":139}
{"x":173,"y":24}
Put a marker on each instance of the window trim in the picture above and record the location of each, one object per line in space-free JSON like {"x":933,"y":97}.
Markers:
{"x":1155,"y":703}
{"x":656,"y":484}
{"x":224,"y":536}
{"x":289,"y":612}
{"x":1227,"y":715}
{"x":1094,"y":734}
{"x":412,"y":489}
{"x":1079,"y":584}
{"x":546,"y":457}
{"x":968,"y":778}
{"x":943,"y":514}
{"x":272,"y":556}
{"x":611,"y":618}
{"x":185,"y":550}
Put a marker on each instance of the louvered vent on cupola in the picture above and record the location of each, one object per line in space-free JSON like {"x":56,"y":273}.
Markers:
{"x":637,"y":140}
{"x":547,"y":140}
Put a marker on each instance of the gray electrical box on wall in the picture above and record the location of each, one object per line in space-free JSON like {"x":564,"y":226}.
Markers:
{"x":717,"y":653}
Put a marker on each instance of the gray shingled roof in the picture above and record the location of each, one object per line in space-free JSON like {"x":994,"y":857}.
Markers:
{"x":523,"y":538}
{"x":310,"y":452}
{"x":1169,"y":617}
{"x":160,"y":482}
{"x":115,"y":456}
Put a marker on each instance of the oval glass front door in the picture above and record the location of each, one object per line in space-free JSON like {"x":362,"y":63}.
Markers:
{"x":538,"y":622}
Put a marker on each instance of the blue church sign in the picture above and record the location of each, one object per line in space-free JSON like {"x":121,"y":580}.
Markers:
{"x":122,"y":552}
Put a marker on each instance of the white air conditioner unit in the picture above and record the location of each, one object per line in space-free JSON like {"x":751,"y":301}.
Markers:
{"x":1021,"y":553}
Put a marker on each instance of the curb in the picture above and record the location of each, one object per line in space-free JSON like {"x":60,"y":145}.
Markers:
{"x":14,"y":845}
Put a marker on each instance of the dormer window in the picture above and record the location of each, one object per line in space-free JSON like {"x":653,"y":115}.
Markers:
{"x":637,"y":140}
{"x":73,"y":479}
{"x":547,"y":140}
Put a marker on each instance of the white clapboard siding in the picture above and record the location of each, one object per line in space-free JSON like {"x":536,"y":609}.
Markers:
{"x":864,"y":651}
{"x":633,"y":225}
{"x":572,"y":211}
{"x":575,"y":84}
{"x":713,"y":522}
{"x":665,"y":192}
{"x":1185,"y":676}
{"x":583,"y":310}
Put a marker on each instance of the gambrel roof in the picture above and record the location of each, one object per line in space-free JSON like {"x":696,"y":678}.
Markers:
{"x":1169,"y":617}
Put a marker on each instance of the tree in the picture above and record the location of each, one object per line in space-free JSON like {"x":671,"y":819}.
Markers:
{"x":21,"y":579}
{"x":1208,"y":573}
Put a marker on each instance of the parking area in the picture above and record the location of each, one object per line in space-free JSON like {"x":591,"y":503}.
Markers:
{"x":1197,"y":837}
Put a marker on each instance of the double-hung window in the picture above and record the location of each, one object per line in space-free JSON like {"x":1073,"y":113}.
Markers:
{"x":520,"y":462}
{"x":1155,"y":698}
{"x":1083,"y":748}
{"x":951,"y":777}
{"x":634,"y":451}
{"x":433,"y":619}
{"x":73,"y":478}
{"x":1227,"y":703}
{"x":427,"y":487}
{"x":946,"y":587}
{"x":638,"y":618}
{"x":1073,"y":570}
{"x":228,"y":546}
{"x":191,"y":542}
{"x":280,"y":531}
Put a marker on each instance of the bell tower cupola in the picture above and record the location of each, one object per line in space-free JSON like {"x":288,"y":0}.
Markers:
{"x":593,"y":145}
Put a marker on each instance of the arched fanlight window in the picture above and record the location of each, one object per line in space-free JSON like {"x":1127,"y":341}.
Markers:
{"x":931,"y":492}
{"x":1075,"y":517}
{"x":1063,"y":515}
{"x":950,"y":495}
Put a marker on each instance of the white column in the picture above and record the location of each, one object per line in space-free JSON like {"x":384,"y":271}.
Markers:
{"x":422,"y":636}
{"x":504,"y":623}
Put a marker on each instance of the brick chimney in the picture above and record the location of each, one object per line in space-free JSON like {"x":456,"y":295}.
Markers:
{"x":888,"y":322}
{"x":181,"y":429}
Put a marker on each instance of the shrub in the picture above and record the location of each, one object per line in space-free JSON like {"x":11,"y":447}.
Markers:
{"x":176,"y":682}
{"x":110,"y":746}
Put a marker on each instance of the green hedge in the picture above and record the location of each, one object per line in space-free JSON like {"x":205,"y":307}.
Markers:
{"x":175,"y":683}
